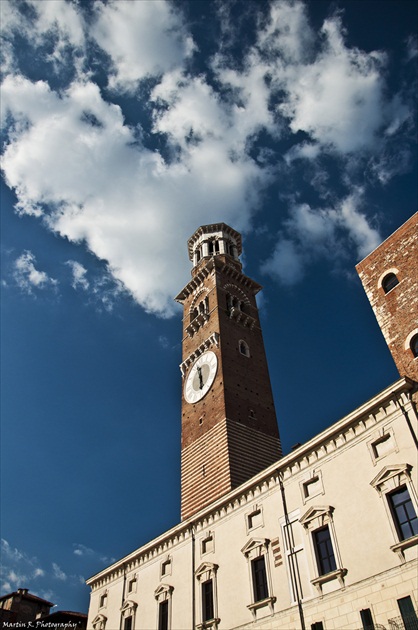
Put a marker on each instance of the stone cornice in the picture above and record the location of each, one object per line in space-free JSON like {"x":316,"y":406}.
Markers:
{"x":340,"y":434}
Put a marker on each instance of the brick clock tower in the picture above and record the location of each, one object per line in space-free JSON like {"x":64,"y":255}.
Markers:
{"x":229,"y":426}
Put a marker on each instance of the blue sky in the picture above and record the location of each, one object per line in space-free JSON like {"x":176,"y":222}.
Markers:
{"x":126,"y":125}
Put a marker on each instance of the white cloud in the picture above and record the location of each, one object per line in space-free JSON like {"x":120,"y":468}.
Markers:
{"x":43,"y":23}
{"x":83,"y":551}
{"x":10,"y":552}
{"x":141,"y":38}
{"x":312,"y":233}
{"x":75,"y":163}
{"x":338,"y":99}
{"x":164,"y":342}
{"x":16,"y":578}
{"x":27,"y":277}
{"x":287,"y":33}
{"x":286,"y":264}
{"x":58,"y":572}
{"x":131,"y":217}
{"x":412,"y":47}
{"x":79,"y":275}
{"x":362,"y":234}
{"x":61,"y":17}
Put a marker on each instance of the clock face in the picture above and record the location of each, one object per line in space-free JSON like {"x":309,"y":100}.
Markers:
{"x":201,"y":377}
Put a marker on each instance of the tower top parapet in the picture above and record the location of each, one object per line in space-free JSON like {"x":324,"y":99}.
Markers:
{"x":214,"y":239}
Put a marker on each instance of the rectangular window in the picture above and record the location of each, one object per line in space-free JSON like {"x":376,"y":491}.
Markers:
{"x":207,"y":601}
{"x":128,"y":623}
{"x":324,"y":551}
{"x":367,"y":619}
{"x":258,"y":567}
{"x":207,"y":544}
{"x":403,"y":513}
{"x":255,"y":519}
{"x":318,"y":625}
{"x":163,"y":615}
{"x":312,"y":488}
{"x":408,"y":614}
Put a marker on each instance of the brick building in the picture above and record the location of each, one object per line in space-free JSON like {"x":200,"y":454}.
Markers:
{"x":322,"y":538}
{"x":21,"y":607}
{"x":390,"y":278}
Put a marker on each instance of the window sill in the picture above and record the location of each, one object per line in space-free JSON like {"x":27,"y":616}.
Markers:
{"x":339,"y":575}
{"x":404,"y":544}
{"x":212,"y":624}
{"x":268,"y":601}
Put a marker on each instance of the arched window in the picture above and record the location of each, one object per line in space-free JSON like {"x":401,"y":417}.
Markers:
{"x":414,"y":345}
{"x":244,"y":348}
{"x":389,"y":282}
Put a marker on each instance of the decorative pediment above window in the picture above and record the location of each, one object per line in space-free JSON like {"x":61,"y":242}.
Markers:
{"x":206,"y":571}
{"x":391,"y":477}
{"x":128,"y":607}
{"x":255,"y":547}
{"x":163,"y":592}
{"x":99,"y":622}
{"x":317,"y":516}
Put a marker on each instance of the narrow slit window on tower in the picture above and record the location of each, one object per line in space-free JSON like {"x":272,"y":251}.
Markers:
{"x":389,"y":282}
{"x":244,"y":348}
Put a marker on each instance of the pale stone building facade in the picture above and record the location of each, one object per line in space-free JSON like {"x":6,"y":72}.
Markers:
{"x":322,"y":538}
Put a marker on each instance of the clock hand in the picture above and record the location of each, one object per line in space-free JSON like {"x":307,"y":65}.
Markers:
{"x":199,"y":371}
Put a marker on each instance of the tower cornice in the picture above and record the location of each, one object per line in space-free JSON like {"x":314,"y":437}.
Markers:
{"x":196,"y":282}
{"x":215,"y":264}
